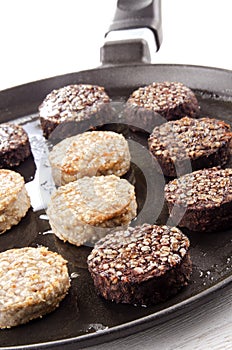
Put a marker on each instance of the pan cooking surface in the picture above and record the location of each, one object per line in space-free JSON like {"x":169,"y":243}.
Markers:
{"x":83,"y":313}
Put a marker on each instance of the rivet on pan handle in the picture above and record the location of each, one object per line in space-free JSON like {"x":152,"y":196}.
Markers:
{"x":135,"y":33}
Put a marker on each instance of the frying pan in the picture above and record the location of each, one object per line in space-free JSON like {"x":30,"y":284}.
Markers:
{"x":83,"y":318}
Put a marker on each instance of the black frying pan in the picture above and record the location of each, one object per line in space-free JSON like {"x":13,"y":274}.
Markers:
{"x":83,"y":318}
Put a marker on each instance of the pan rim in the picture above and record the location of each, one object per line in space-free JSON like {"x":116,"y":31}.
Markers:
{"x":122,"y":66}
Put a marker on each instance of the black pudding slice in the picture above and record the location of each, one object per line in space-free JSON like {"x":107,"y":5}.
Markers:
{"x":172,"y":100}
{"x":203,"y":198}
{"x":71,"y":107}
{"x":199,"y":143}
{"x":14,"y":145}
{"x":142,"y":265}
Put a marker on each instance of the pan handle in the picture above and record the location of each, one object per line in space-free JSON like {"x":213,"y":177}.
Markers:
{"x":134,"y":34}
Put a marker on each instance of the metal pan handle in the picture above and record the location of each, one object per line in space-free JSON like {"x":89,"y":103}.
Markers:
{"x":134,"y":34}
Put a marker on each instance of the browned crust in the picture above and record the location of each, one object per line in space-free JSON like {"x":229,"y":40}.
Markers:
{"x":33,"y":283}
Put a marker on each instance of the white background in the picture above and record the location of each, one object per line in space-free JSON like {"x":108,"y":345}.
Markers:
{"x":44,"y":38}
